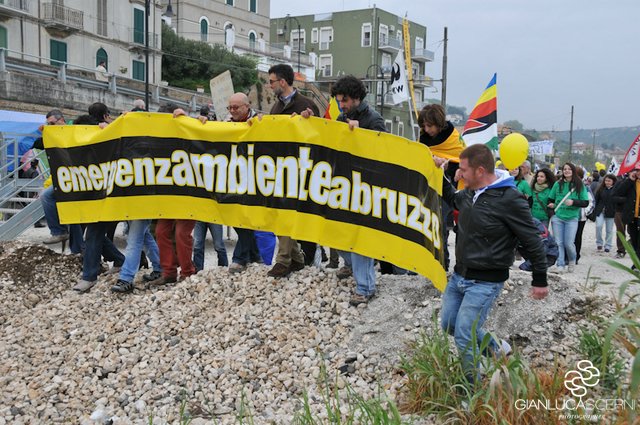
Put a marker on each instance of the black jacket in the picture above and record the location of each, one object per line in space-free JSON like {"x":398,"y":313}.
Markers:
{"x":625,"y":195}
{"x":605,"y":203}
{"x":366,"y":116}
{"x":488,"y":233}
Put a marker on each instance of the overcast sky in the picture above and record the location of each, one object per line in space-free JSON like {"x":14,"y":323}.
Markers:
{"x":548,"y":54}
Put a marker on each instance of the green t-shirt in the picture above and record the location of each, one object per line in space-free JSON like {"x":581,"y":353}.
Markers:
{"x":539,"y":209}
{"x":524,"y":187}
{"x":566,"y":212}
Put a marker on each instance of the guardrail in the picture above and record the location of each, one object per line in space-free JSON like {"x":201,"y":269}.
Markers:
{"x":11,"y":60}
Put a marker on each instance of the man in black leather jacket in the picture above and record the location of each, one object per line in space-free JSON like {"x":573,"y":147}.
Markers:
{"x":493,"y":216}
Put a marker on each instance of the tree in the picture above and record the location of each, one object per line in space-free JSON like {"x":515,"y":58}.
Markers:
{"x":189,"y":63}
{"x":514,"y":125}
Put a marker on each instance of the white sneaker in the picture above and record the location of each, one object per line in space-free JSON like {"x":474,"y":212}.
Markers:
{"x":505,"y":348}
{"x":556,"y":269}
{"x":571,"y":268}
{"x":84,"y":285}
{"x":237,"y":268}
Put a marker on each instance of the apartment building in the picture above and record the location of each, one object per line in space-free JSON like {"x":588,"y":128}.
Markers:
{"x":242,"y":26}
{"x":84,"y":33}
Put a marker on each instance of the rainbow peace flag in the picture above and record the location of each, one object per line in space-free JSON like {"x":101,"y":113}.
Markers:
{"x":333,"y":110}
{"x":482,"y":125}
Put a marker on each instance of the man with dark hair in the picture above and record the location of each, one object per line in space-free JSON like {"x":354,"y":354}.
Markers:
{"x":356,"y":112}
{"x":493,"y":217}
{"x":290,"y":102}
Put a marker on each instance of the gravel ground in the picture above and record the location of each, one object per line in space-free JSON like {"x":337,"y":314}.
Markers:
{"x":83,"y":358}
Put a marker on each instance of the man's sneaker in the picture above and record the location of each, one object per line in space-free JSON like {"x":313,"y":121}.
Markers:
{"x":344,"y":272}
{"x":607,"y":250}
{"x":571,"y":268}
{"x":505,"y":348}
{"x":237,"y":268}
{"x":151,"y":276}
{"x":620,"y":254}
{"x":296,"y":266}
{"x":113,"y":270}
{"x":84,"y":285}
{"x":332,"y":265}
{"x":163,"y":280}
{"x":279,"y":270}
{"x":599,"y":248}
{"x":357,"y":299}
{"x":56,"y":239}
{"x":122,"y":286}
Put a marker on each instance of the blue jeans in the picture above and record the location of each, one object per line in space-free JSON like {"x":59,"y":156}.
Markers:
{"x":363,"y":272}
{"x":139,"y":236}
{"x":51,"y":212}
{"x":608,"y":224}
{"x":199,"y":236}
{"x":76,"y":244}
{"x":565,"y":233}
{"x":244,"y":247}
{"x":466,"y":303}
{"x":97,"y":244}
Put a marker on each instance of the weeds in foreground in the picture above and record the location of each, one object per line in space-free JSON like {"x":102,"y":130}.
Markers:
{"x":592,"y":347}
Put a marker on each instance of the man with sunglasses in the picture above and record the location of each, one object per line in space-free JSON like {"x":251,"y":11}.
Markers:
{"x":289,"y":102}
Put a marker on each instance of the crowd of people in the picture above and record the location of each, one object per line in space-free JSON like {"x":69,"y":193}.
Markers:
{"x":495,"y":213}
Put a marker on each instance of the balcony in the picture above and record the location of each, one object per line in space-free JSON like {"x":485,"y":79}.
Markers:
{"x":422,"y":81}
{"x":389,"y":44}
{"x":136,"y":40}
{"x":62,"y":18}
{"x":14,"y":8}
{"x":422,"y":55}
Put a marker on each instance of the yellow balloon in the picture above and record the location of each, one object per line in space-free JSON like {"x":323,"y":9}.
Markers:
{"x":514,"y":150}
{"x":600,"y":166}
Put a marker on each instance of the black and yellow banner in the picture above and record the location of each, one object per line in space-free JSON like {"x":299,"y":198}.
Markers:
{"x":311,"y":179}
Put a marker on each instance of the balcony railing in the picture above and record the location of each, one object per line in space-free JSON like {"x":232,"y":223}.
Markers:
{"x":56,"y":15}
{"x":422,"y":55}
{"x":14,"y":7}
{"x":136,"y":37}
{"x":389,"y":43}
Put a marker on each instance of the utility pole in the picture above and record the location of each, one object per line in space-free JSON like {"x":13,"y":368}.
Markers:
{"x":443,"y":100}
{"x":594,"y":144}
{"x":147,"y":10}
{"x":571,"y":135}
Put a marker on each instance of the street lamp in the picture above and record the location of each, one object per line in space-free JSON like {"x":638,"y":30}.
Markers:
{"x":285,"y":30}
{"x":379,"y":77}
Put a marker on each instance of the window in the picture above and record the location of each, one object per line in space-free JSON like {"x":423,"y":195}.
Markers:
{"x":138,"y":26}
{"x":101,"y":56}
{"x":102,"y":17}
{"x":366,"y":35}
{"x":229,"y":35}
{"x":58,"y":52}
{"x":138,"y":70}
{"x":253,"y":6}
{"x":294,"y":39}
{"x":204,"y":29}
{"x":385,"y":62}
{"x":400,"y":129}
{"x":326,"y":63}
{"x":314,"y":36}
{"x":252,"y":40}
{"x":326,"y":37}
{"x":419,"y":45}
{"x":4,"y":41}
{"x":389,"y":125}
{"x":383,"y":36}
{"x":230,"y":2}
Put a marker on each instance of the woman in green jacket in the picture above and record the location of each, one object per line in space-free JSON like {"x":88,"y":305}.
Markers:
{"x":541,"y":185}
{"x":521,"y":183}
{"x":566,"y":197}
